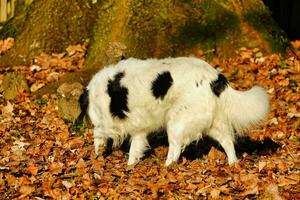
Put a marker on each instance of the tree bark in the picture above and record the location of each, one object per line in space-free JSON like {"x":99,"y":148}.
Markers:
{"x":142,"y":29}
{"x":47,"y":26}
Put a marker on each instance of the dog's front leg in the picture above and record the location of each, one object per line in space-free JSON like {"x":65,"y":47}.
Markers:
{"x":99,"y":141}
{"x":138,"y":146}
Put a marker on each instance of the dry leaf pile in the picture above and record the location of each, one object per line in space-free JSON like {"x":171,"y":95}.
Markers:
{"x":44,"y":157}
{"x":49,"y":68}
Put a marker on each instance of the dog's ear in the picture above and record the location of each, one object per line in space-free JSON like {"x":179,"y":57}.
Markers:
{"x":84,"y":103}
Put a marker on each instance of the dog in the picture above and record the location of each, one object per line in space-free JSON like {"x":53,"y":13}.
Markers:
{"x":185,"y":96}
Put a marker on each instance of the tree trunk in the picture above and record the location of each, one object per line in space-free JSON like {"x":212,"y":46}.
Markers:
{"x":142,"y":29}
{"x":47,"y":26}
{"x":173,"y":28}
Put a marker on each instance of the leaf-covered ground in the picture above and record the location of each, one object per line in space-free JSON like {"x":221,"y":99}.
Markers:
{"x":43,"y":157}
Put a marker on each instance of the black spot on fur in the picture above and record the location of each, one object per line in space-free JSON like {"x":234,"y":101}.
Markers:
{"x":161,"y":85}
{"x":84,"y":103}
{"x":219,"y":85}
{"x":118,"y":95}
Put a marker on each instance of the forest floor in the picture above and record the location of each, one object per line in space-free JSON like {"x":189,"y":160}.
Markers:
{"x":44,"y":157}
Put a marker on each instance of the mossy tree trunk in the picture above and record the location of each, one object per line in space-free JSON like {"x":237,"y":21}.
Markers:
{"x":46,"y":26}
{"x":152,"y":28}
{"x":158,"y":28}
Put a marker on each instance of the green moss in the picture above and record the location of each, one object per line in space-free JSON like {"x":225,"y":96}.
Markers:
{"x":282,"y":64}
{"x":194,"y":32}
{"x":144,"y":25}
{"x":8,"y":30}
{"x":262,"y":21}
{"x":26,"y":10}
{"x":215,"y":28}
{"x":42,"y":102}
{"x":163,"y":28}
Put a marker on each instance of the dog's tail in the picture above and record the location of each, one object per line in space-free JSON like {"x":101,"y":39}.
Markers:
{"x":84,"y":103}
{"x":242,"y":109}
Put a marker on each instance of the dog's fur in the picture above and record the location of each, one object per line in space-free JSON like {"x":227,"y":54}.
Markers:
{"x":185,"y":96}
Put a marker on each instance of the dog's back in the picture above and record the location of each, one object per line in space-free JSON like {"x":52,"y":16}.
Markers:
{"x":137,"y":94}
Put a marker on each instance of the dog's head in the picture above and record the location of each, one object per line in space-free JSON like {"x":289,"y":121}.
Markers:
{"x":84,"y":103}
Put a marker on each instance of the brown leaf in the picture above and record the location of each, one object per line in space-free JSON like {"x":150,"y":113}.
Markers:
{"x":172,"y":178}
{"x":154,"y":189}
{"x":282,"y":166}
{"x":26,"y":190}
{"x":80,"y":166}
{"x":250,"y":191}
{"x":56,"y":167}
{"x":6,"y":44}
{"x":284,"y":82}
{"x":103,"y":189}
{"x":36,"y":86}
{"x":296,"y":44}
{"x":8,"y":109}
{"x":32,"y":169}
{"x":271,"y":192}
{"x":250,"y":183}
{"x":153,"y":171}
{"x":11,"y":180}
{"x":215,"y":194}
{"x":87,"y":181}
{"x":215,"y":154}
{"x":73,"y":143}
{"x":288,"y":180}
{"x":68,"y":184}
{"x":261,"y":165}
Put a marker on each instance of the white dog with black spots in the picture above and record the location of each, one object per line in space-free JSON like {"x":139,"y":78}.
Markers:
{"x":185,"y":96}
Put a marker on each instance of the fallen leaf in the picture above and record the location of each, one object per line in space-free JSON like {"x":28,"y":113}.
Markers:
{"x":258,"y":54}
{"x":6,"y":44}
{"x":250,"y":191}
{"x":41,"y":152}
{"x":68,"y":184}
{"x":32,"y":169}
{"x":75,"y":142}
{"x":271,"y":191}
{"x":26,"y":190}
{"x":215,"y":194}
{"x":56,"y":167}
{"x":284,"y":181}
{"x":11,"y":180}
{"x":215,"y":154}
{"x":103,"y":189}
{"x":261,"y":165}
{"x":8,"y":109}
{"x":36,"y":86}
{"x":296,"y":44}
{"x":19,"y":146}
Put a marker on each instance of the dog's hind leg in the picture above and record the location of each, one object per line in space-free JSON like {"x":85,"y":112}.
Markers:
{"x":185,"y":125}
{"x":226,"y":140}
{"x":173,"y":153}
{"x":175,"y":130}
